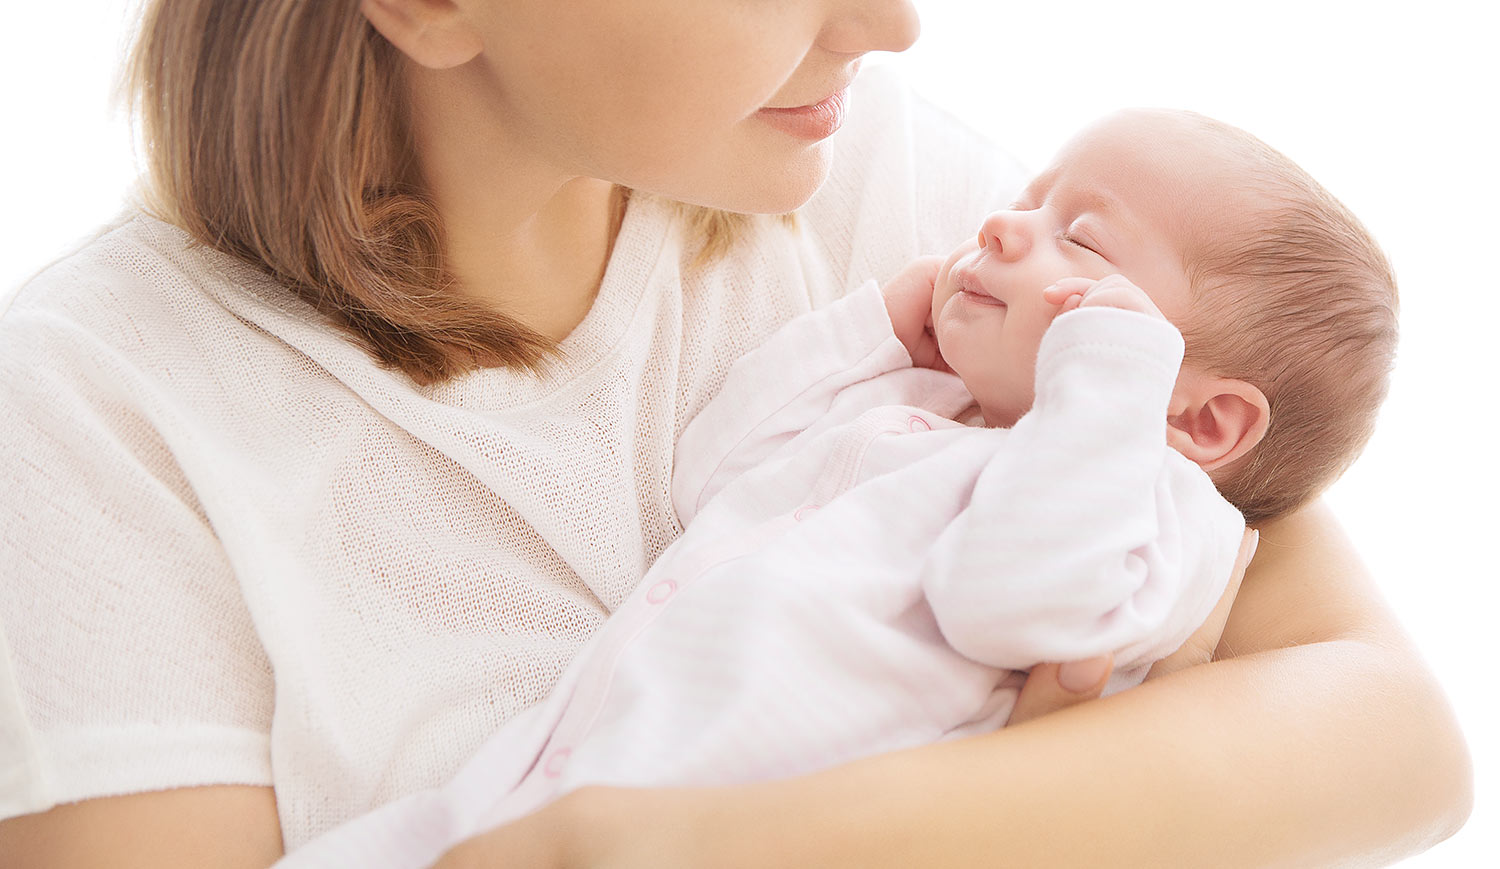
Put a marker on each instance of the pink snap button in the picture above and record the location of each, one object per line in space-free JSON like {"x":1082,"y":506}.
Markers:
{"x":556,"y":762}
{"x":804,"y":512}
{"x":661,"y":591}
{"x":916,"y":423}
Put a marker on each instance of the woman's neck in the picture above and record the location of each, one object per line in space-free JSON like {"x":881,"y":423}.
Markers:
{"x":523,"y":236}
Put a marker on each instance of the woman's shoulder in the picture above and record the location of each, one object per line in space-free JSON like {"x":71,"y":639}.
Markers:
{"x":134,"y":275}
{"x":144,"y":302}
{"x":115,"y":293}
{"x":906,"y":179}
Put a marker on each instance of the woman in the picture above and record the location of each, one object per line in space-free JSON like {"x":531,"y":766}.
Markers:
{"x":369,"y":442}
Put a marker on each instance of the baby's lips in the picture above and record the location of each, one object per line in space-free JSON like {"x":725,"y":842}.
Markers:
{"x":966,"y":280}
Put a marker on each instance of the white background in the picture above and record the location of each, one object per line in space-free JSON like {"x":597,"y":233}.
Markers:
{"x":1393,"y":106}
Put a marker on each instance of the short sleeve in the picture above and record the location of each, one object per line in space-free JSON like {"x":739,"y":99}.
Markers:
{"x":128,"y":659}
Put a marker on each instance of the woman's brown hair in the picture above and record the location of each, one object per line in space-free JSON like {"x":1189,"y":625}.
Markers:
{"x":275,"y":132}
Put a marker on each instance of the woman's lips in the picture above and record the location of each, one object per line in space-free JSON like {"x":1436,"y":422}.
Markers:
{"x":817,"y":121}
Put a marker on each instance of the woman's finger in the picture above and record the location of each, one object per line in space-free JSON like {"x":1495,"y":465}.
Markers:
{"x":1200,"y":647}
{"x":1051,"y":687}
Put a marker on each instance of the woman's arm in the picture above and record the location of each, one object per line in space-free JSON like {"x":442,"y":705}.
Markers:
{"x":1320,"y":739}
{"x":221,"y":827}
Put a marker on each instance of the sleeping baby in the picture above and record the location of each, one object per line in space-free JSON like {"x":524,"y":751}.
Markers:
{"x":1043,"y":448}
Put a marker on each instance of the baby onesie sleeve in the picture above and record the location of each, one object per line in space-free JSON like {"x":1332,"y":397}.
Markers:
{"x":128,"y":659}
{"x":1085,"y":533}
{"x":788,"y":385}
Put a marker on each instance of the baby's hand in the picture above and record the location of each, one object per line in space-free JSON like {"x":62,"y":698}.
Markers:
{"x":908,"y":301}
{"x":1111,"y":292}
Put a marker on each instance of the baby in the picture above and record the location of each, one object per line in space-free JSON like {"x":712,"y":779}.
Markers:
{"x":861,"y":573}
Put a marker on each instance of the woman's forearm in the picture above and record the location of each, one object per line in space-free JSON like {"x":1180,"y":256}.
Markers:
{"x":1324,"y":742}
{"x":1326,"y":754}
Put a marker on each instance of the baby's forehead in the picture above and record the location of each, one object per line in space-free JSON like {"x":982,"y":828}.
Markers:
{"x":1137,"y":127}
{"x":1174,"y":169}
{"x":1150,"y":142}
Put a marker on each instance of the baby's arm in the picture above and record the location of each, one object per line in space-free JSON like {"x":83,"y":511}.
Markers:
{"x":1085,"y":533}
{"x":788,"y":385}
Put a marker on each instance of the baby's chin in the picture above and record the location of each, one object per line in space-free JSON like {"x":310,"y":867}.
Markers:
{"x":1000,"y":407}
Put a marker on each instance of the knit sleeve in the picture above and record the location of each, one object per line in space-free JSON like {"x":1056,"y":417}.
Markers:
{"x":128,"y":660}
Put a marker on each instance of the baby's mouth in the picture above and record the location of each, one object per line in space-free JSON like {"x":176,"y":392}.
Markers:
{"x":972,"y":289}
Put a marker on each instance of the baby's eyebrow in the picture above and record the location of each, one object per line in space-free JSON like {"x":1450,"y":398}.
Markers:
{"x":1070,"y":198}
{"x":1036,"y":191}
{"x":1098,"y":200}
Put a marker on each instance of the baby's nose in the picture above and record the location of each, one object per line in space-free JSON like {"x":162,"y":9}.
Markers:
{"x":1006,"y":234}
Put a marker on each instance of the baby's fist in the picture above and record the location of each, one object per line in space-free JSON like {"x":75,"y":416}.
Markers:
{"x":1114,"y":291}
{"x":908,"y":300}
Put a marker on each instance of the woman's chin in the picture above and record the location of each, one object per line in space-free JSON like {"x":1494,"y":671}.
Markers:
{"x":770,"y":178}
{"x":783,"y":201}
{"x":780,"y":187}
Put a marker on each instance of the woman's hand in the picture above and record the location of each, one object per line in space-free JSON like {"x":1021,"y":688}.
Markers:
{"x":908,"y":301}
{"x":1051,"y":687}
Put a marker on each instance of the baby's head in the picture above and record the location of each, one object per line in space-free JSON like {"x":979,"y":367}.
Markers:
{"x":1286,"y":305}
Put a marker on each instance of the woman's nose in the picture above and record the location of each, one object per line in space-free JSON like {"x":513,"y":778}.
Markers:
{"x":858,"y":26}
{"x":1005,"y":234}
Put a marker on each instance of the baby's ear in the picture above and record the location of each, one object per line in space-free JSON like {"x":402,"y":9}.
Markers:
{"x":1215,"y":420}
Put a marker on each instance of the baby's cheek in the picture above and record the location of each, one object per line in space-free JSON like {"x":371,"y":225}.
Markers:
{"x":942,"y":291}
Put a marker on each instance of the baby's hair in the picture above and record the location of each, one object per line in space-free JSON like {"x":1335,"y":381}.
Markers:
{"x":1300,"y":301}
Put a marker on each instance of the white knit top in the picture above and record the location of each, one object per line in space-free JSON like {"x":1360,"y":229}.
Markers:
{"x":236,"y":551}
